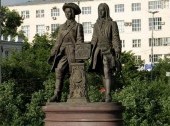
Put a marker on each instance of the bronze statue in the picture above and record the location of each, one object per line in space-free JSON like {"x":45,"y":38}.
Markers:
{"x":63,"y":52}
{"x":106,"y":47}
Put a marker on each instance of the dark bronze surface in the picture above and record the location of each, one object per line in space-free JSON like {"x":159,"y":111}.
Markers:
{"x":68,"y":55}
{"x":106,"y":47}
{"x":63,"y":52}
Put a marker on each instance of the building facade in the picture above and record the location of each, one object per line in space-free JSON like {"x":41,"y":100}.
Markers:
{"x":8,"y":46}
{"x":139,"y":23}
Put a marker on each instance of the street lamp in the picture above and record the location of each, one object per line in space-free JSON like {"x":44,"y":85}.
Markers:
{"x":78,"y":2}
{"x":0,"y":44}
{"x":153,"y":20}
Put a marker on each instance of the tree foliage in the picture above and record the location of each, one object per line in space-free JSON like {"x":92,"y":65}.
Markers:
{"x":160,"y":69}
{"x":10,"y":21}
{"x":146,"y":104}
{"x":32,"y":84}
{"x":29,"y":68}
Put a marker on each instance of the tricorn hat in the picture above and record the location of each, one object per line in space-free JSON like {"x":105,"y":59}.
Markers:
{"x":74,"y":6}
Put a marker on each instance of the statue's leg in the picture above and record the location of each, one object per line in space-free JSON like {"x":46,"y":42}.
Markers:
{"x":58,"y":86}
{"x":107,"y":79}
{"x":59,"y":73}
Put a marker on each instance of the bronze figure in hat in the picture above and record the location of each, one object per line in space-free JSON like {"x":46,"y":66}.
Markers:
{"x":63,"y":52}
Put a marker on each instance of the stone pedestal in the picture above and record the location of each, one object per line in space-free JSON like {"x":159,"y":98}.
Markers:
{"x":85,"y":114}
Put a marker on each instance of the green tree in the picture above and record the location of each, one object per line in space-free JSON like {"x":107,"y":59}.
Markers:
{"x":160,"y":69}
{"x":146,"y":103}
{"x":28,"y":68}
{"x":10,"y":21}
{"x":11,"y":105}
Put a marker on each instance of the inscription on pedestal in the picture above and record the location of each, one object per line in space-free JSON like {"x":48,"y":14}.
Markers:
{"x":77,"y":82}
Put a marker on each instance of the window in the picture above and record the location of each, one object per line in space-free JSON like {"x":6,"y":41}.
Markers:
{"x":54,"y":27}
{"x":40,"y":29}
{"x":123,"y":43}
{"x":26,"y":30}
{"x":136,"y":24}
{"x":156,"y":57}
{"x":136,"y":6}
{"x":166,"y":3}
{"x":86,"y":10}
{"x":156,"y":23}
{"x":137,"y":58}
{"x":120,"y":24}
{"x":167,"y":56}
{"x":119,"y":8}
{"x":39,"y":13}
{"x":155,"y":4}
{"x":136,"y":43}
{"x":87,"y":27}
{"x":55,"y":12}
{"x":159,"y":41}
{"x":25,"y":14}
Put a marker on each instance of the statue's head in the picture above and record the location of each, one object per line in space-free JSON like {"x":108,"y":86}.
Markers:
{"x":70,"y":10}
{"x":103,"y":12}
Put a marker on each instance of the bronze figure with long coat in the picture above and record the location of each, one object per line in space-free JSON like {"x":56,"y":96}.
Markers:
{"x":68,"y":37}
{"x":106,"y":47}
{"x":63,"y":52}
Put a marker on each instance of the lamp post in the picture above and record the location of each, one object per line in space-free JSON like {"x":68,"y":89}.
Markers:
{"x":153,"y":20}
{"x":0,"y":43}
{"x":78,"y":2}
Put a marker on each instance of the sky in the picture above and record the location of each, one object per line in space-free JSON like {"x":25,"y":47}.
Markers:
{"x":10,"y":2}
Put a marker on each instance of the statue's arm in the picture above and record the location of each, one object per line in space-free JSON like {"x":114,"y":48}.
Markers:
{"x":56,"y":44}
{"x":54,"y":48}
{"x":80,"y":34}
{"x":115,"y":38}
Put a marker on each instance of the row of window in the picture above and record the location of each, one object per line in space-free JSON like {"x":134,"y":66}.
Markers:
{"x":40,"y":29}
{"x":54,"y":12}
{"x":159,"y":41}
{"x":158,"y":4}
{"x":156,"y":42}
{"x":156,"y":58}
{"x":87,"y":10}
{"x":154,"y":23}
{"x":135,"y":43}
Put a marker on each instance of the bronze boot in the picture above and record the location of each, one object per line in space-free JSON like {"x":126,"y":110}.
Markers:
{"x":56,"y":97}
{"x":108,"y":97}
{"x":57,"y":93}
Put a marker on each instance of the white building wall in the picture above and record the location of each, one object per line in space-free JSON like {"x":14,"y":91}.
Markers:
{"x":128,"y":35}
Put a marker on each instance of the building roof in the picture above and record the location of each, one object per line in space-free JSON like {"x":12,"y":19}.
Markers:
{"x":36,"y":2}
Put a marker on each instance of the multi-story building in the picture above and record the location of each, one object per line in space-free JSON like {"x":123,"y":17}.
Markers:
{"x":8,"y":46}
{"x":138,"y":22}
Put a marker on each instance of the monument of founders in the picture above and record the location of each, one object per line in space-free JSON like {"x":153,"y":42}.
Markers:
{"x":68,"y":56}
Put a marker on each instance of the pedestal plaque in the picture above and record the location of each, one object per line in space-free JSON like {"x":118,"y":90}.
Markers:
{"x":77,"y":84}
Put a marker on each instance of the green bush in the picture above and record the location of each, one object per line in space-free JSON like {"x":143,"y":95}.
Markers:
{"x":147,"y":104}
{"x":11,"y":105}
